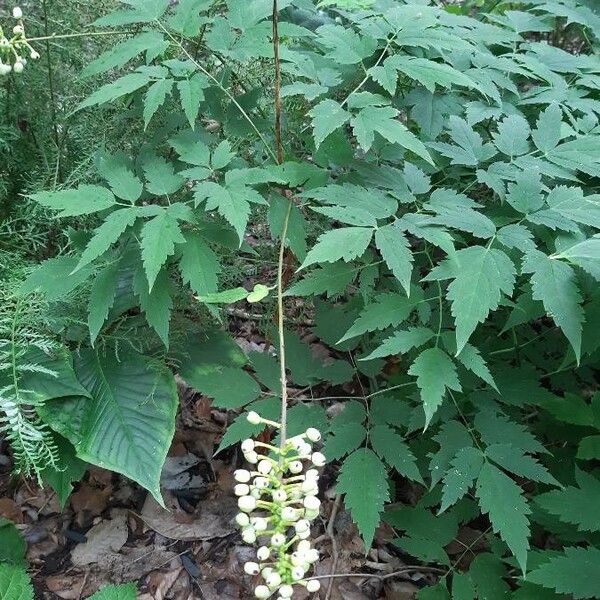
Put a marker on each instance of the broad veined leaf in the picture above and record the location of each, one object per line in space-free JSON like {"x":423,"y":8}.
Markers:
{"x":345,"y":46}
{"x":55,"y":278}
{"x":199,"y":265}
{"x":69,"y":469}
{"x":402,"y":342}
{"x":387,"y":310}
{"x":155,"y":97}
{"x":571,"y":204}
{"x":482,"y":275}
{"x":187,"y":19}
{"x":159,"y":236}
{"x":141,"y":11}
{"x":525,"y":195}
{"x":347,"y":215}
{"x":107,"y":234}
{"x":464,"y":470}
{"x":395,"y":249}
{"x":435,"y":372}
{"x":383,"y":120}
{"x":122,"y":53}
{"x":102,"y":298}
{"x":346,"y":243}
{"x":581,"y":154}
{"x":516,"y":236}
{"x":502,"y":499}
{"x":156,"y":303}
{"x":515,"y":461}
{"x":575,"y":505}
{"x":554,"y":283}
{"x":327,"y":116}
{"x":390,"y":446}
{"x":128,"y":424}
{"x":15,"y":583}
{"x":127,"y":591}
{"x":13,"y":547}
{"x":585,"y":254}
{"x":472,"y":360}
{"x":363,"y":481}
{"x":85,"y":200}
{"x":576,"y":573}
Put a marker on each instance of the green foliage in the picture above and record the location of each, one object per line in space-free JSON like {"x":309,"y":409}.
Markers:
{"x":443,"y":166}
{"x":15,"y":583}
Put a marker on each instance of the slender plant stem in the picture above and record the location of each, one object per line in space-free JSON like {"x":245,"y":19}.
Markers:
{"x":66,"y":36}
{"x":51,"y":81}
{"x":222,"y":88}
{"x":284,"y":230}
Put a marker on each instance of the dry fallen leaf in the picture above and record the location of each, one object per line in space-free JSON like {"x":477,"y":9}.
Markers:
{"x":103,"y":541}
{"x":215,"y":518}
{"x":9,"y":510}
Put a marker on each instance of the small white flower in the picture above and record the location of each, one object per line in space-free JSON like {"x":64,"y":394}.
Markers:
{"x":261,"y":483}
{"x":18,"y":30}
{"x":313,"y":434}
{"x":312,"y":503}
{"x":279,"y":495}
{"x":34,"y":55}
{"x":298,"y":573}
{"x":295,"y":467}
{"x":266,"y":572}
{"x":251,"y":568}
{"x":311,"y":514}
{"x":303,"y":547}
{"x":318,"y":459}
{"x":255,"y":493}
{"x":274,"y":580}
{"x":264,"y":467}
{"x":251,"y":457}
{"x":242,"y":475}
{"x":297,"y":559}
{"x":253,"y":417}
{"x":249,"y":535}
{"x":242,"y":519}
{"x":310,"y":487}
{"x":247,"y":503}
{"x":289,"y":514}
{"x":303,"y":535}
{"x":262,"y":591}
{"x":305,"y":450}
{"x":313,"y":585}
{"x":312,"y":474}
{"x":247,"y":446}
{"x":286,"y":591}
{"x":241,"y":489}
{"x":263,"y":553}
{"x":260,"y":524}
{"x":277,"y":540}
{"x":17,"y":13}
{"x":302,"y":526}
{"x":312,"y":555}
{"x":296,"y":442}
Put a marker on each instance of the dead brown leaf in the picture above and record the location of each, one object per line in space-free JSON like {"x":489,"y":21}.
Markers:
{"x":103,"y":541}
{"x":9,"y":510}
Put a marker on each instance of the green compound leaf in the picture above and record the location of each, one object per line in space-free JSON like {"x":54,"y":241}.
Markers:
{"x":102,"y":298}
{"x":363,"y":481}
{"x":392,"y":448}
{"x":575,"y":572}
{"x":346,"y":243}
{"x":84,"y":200}
{"x":128,"y":424}
{"x":15,"y":583}
{"x":554,"y":283}
{"x":402,"y":342}
{"x":502,"y":499}
{"x":345,"y":438}
{"x":155,"y":97}
{"x":395,"y":249}
{"x":327,"y":116}
{"x":464,"y":469}
{"x":199,"y":265}
{"x":575,"y":505}
{"x":435,"y":372}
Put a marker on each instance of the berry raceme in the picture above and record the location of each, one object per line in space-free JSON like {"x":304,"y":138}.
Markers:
{"x":13,"y":48}
{"x":278,"y":500}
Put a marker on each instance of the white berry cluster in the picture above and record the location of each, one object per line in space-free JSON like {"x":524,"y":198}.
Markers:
{"x":277,"y":501}
{"x":14,"y":47}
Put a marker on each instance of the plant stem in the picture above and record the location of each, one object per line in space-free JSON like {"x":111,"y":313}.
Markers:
{"x":51,"y":82}
{"x":284,"y":229}
{"x":65,"y":36}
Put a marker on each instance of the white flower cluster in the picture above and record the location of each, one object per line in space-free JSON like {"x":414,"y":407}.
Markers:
{"x":12,"y":48}
{"x":277,"y":501}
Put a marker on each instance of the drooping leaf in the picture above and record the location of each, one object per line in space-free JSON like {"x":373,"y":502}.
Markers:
{"x":554,"y":283}
{"x":576,"y":573}
{"x":435,"y":372}
{"x":515,"y":461}
{"x":122,"y":181}
{"x":155,"y":97}
{"x":502,"y":499}
{"x":102,"y":298}
{"x":464,"y":469}
{"x":344,"y":439}
{"x":395,"y":249}
{"x":199,"y":265}
{"x":390,"y":446}
{"x":156,"y":303}
{"x":84,"y":200}
{"x":191,"y":95}
{"x":363,"y":481}
{"x":128,"y":424}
